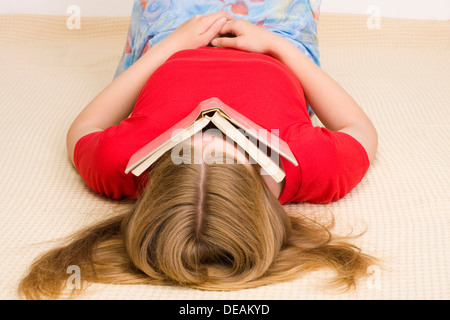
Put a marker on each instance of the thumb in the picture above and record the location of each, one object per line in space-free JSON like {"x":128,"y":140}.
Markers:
{"x":224,"y":42}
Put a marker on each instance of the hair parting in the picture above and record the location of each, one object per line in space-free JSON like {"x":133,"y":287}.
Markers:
{"x":196,"y":226}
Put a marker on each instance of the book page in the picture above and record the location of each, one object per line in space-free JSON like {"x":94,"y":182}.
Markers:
{"x":172,"y":142}
{"x":260,"y":157}
{"x":259,"y":133}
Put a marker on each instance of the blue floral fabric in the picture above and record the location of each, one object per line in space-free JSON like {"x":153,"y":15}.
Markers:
{"x":153,"y":20}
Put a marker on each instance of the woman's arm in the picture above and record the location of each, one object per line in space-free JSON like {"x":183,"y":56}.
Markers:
{"x":116,"y":101}
{"x":335,"y":108}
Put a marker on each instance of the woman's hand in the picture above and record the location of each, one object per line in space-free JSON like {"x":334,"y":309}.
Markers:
{"x":248,"y":37}
{"x":196,"y":32}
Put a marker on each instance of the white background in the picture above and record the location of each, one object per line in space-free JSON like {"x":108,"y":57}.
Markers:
{"x":414,"y":9}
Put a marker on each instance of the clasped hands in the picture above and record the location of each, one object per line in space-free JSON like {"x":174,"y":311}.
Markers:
{"x":214,"y":29}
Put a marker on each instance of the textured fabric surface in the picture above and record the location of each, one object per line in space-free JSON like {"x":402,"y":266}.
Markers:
{"x":400,"y":74}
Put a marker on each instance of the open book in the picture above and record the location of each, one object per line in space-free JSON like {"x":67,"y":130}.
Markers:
{"x":229,"y":122}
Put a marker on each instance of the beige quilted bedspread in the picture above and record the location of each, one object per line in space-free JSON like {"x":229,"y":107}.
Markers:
{"x":400,"y":75}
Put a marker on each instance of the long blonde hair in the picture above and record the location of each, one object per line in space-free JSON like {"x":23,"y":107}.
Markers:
{"x":205,"y":226}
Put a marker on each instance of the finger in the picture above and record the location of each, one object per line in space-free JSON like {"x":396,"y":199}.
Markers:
{"x":214,"y":30}
{"x":212,"y":23}
{"x":224,"y":42}
{"x":232,"y":27}
{"x":220,"y":14}
{"x":210,"y":18}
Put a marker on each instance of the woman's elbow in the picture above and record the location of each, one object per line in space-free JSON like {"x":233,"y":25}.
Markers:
{"x":366,"y":134}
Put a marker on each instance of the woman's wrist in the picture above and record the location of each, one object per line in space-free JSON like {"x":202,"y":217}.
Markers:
{"x":159,"y":53}
{"x":280,"y":47}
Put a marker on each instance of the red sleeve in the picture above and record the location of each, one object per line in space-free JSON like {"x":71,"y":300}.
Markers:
{"x":331,"y":164}
{"x":101,"y":163}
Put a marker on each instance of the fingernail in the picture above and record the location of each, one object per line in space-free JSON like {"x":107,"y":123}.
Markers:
{"x":215,"y":42}
{"x":223,"y":20}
